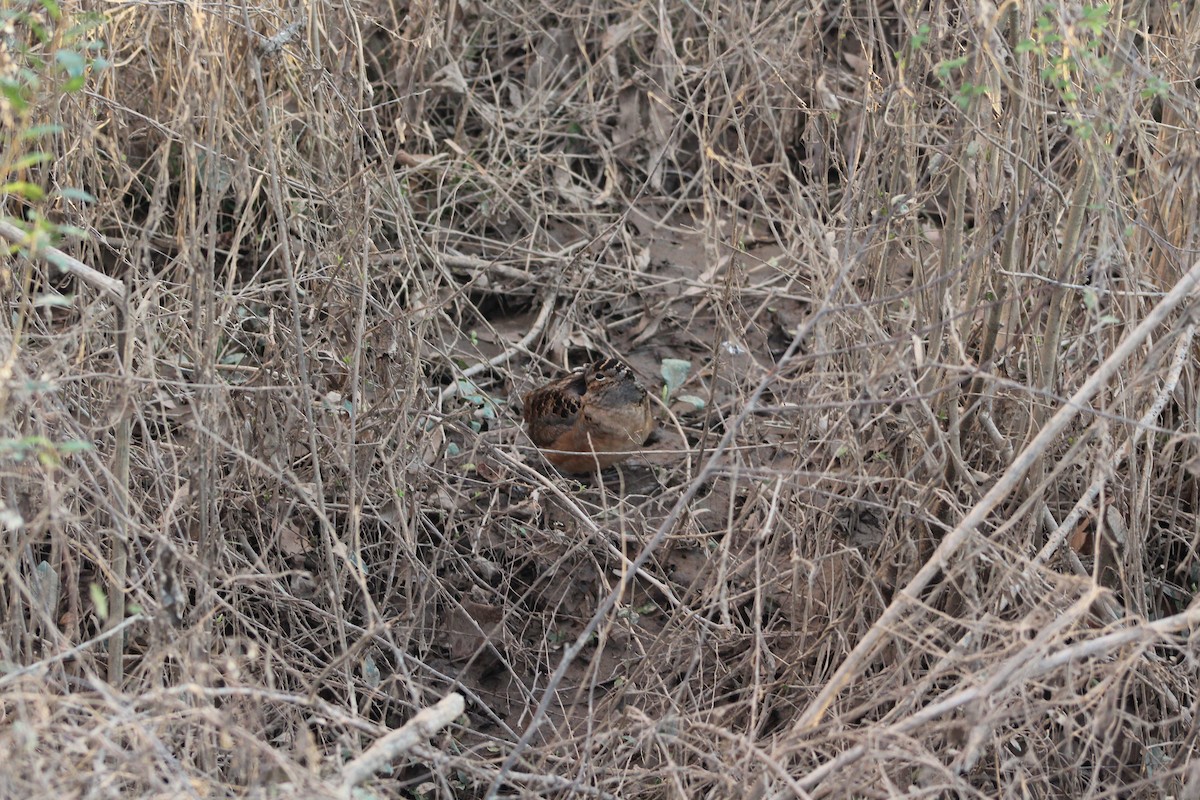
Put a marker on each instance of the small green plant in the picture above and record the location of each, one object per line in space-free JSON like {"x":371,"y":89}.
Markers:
{"x":918,"y":39}
{"x":99,"y":600}
{"x":1155,"y":88}
{"x":485,"y":406}
{"x":1072,"y":51}
{"x":48,"y":453}
{"x":948,"y":67}
{"x":45,"y":55}
{"x":967,"y":92}
{"x":675,"y":373}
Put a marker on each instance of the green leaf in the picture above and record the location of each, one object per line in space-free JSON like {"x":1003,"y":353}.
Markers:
{"x":99,"y":600}
{"x":52,"y":9}
{"x":477,"y":397}
{"x":698,"y":402}
{"x":36,"y":387}
{"x":71,"y":232}
{"x":85,"y":22}
{"x":370,"y":671}
{"x":674,"y":372}
{"x":70,"y":193}
{"x":38,"y":29}
{"x":950,"y":65}
{"x":12,"y":92}
{"x":71,"y":61}
{"x":31,"y":159}
{"x":52,"y":300}
{"x":918,"y":40}
{"x":38,"y":131}
{"x":1155,"y":87}
{"x":1095,"y":19}
{"x":30,"y":191}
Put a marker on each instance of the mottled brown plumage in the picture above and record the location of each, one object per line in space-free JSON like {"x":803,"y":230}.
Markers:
{"x":597,"y":416}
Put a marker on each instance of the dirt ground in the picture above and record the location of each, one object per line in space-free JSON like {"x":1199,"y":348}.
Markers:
{"x":912,"y":287}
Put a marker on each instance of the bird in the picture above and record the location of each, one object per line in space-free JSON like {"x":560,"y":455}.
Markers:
{"x":593,"y":418}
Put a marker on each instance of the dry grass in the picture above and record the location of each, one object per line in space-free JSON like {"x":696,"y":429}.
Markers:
{"x":277,"y":500}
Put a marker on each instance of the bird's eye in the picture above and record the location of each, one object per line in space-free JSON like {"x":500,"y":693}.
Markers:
{"x":601,"y":377}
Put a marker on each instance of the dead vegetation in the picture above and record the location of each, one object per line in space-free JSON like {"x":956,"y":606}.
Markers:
{"x":922,"y":517}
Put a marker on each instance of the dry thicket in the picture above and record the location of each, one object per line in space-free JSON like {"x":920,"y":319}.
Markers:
{"x":922,"y":517}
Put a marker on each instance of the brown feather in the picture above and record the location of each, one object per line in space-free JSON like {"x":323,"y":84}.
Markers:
{"x":595,"y":417}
